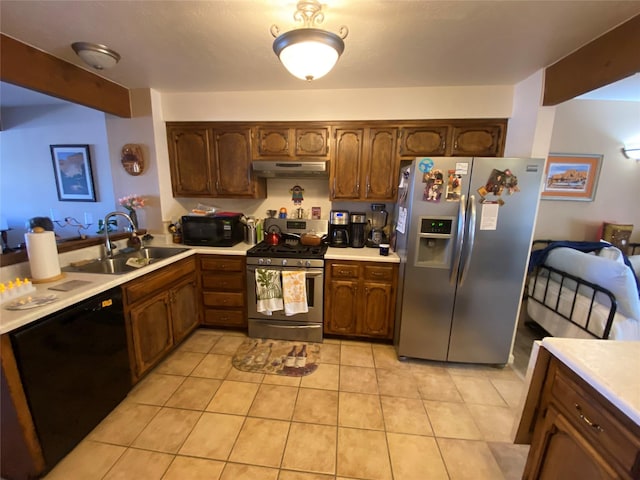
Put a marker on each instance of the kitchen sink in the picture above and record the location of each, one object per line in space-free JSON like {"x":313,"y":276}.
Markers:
{"x":118,"y":264}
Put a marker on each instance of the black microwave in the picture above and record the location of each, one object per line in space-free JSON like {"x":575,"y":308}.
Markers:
{"x":212,"y":231}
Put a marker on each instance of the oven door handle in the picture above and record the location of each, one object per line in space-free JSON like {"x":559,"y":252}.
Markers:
{"x":308,"y":273}
{"x":272,"y":325}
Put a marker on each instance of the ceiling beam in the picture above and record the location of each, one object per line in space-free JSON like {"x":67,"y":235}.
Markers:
{"x":607,"y":59}
{"x":28,"y":67}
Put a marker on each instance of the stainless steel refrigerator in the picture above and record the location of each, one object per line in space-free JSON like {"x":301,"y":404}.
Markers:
{"x":463,"y":230}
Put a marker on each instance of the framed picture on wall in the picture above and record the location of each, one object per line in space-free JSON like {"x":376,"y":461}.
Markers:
{"x":72,"y":173}
{"x":571,"y":177}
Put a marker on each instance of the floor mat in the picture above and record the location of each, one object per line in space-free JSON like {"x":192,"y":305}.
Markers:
{"x":279,"y":357}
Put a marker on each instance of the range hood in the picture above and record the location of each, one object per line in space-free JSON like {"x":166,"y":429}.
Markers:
{"x":288,"y":169}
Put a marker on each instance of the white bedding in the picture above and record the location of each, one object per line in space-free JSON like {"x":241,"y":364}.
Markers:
{"x":623,"y":328}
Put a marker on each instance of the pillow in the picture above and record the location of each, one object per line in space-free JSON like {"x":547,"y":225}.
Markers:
{"x":610,"y":274}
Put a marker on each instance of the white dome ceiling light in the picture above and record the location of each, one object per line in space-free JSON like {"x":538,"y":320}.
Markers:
{"x":95,"y":55}
{"x":308,"y":53}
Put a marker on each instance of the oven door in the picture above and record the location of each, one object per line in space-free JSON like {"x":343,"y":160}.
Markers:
{"x":302,"y":326}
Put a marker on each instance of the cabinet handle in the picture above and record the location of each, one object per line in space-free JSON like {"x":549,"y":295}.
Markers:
{"x":368,"y":184}
{"x":586,"y":420}
{"x":217,"y":185}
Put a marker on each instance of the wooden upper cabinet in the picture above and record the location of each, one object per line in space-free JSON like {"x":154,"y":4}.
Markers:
{"x":290,"y":143}
{"x":212,"y":160}
{"x":312,"y":142}
{"x":190,"y":161}
{"x":364,"y":164}
{"x":420,"y":141}
{"x":232,"y":156}
{"x":346,"y":164}
{"x":381,"y":164}
{"x":478,"y":140}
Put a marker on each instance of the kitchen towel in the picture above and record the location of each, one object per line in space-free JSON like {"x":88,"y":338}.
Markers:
{"x":43,"y":256}
{"x":268,"y":291}
{"x":294,"y":292}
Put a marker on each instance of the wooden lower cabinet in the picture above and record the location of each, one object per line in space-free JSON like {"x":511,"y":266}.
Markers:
{"x":360,"y":298}
{"x":573,"y":430}
{"x":223,"y":279}
{"x":161,"y":309}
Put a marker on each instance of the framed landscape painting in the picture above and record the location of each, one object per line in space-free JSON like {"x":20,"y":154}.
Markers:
{"x":72,"y":173}
{"x":571,"y":177}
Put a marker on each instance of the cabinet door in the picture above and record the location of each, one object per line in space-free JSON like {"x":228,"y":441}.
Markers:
{"x":311,"y":142}
{"x":190,"y":161}
{"x":381,"y":165}
{"x":346,"y":166}
{"x":184,"y":309}
{"x":375,"y":316}
{"x":272,"y":142}
{"x":232,"y":154}
{"x":341,"y":307}
{"x":151,"y":331}
{"x":560,"y":451}
{"x":425,"y":140}
{"x":484,"y":140}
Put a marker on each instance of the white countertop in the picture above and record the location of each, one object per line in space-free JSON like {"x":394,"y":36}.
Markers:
{"x":12,"y":319}
{"x":611,"y":367}
{"x":360,"y":254}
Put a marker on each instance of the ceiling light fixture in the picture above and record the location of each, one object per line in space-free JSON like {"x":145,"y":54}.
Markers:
{"x":308,"y":53}
{"x":631,"y":151}
{"x":95,"y":55}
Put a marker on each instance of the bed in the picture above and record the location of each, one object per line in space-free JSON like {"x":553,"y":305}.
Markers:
{"x":586,"y":294}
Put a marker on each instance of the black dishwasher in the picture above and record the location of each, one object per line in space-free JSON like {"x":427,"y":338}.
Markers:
{"x":74,"y":368}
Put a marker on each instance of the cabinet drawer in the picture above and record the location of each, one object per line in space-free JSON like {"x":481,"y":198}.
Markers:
{"x":211,"y":281}
{"x":225,"y":264}
{"x":378,"y":273}
{"x":158,"y":280}
{"x":228,"y":318}
{"x":582,"y":408}
{"x":223,"y":299}
{"x":343,"y":270}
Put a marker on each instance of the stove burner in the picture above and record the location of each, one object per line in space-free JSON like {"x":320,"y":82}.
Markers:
{"x":287,"y":250}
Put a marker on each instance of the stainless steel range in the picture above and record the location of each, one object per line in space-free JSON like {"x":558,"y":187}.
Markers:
{"x":289,"y":254}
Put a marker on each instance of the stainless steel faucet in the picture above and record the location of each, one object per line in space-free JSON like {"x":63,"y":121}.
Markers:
{"x":109,"y":249}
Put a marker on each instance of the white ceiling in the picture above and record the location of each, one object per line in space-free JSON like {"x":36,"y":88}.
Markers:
{"x":225,"y":45}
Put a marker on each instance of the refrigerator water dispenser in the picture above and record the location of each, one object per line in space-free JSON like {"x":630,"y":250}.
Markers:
{"x":434,"y":242}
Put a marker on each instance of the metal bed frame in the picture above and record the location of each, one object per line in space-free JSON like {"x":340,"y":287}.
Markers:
{"x":545,"y":271}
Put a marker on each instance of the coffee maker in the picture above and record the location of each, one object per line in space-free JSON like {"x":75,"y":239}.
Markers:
{"x":378,"y":221}
{"x":339,"y":228}
{"x":358,"y":229}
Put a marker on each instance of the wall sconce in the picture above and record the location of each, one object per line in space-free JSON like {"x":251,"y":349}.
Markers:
{"x":95,"y":55}
{"x":308,"y":53}
{"x":632,"y":151}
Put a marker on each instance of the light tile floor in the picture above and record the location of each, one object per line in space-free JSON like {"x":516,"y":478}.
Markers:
{"x":362,"y":415}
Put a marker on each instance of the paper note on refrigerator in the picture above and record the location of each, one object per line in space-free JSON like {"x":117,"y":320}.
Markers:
{"x":489,"y":216}
{"x":402,"y":220}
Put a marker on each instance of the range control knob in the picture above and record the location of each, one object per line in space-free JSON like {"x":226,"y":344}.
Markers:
{"x":260,"y":261}
{"x":307,"y":263}
{"x":284,"y":262}
{"x":268,"y":261}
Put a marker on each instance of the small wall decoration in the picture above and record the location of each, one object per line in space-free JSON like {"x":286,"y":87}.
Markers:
{"x":132,"y":159}
{"x":571,"y":177}
{"x":297,"y":194}
{"x":72,"y":172}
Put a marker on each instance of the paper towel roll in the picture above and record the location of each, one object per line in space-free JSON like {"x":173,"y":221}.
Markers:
{"x":43,"y":256}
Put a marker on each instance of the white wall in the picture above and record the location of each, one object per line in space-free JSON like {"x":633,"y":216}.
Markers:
{"x":595,"y":127}
{"x":138,"y":130}
{"x":27,"y":185}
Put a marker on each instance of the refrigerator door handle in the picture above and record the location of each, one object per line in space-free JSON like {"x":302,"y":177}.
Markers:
{"x":457,"y":251}
{"x":471,"y":236}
